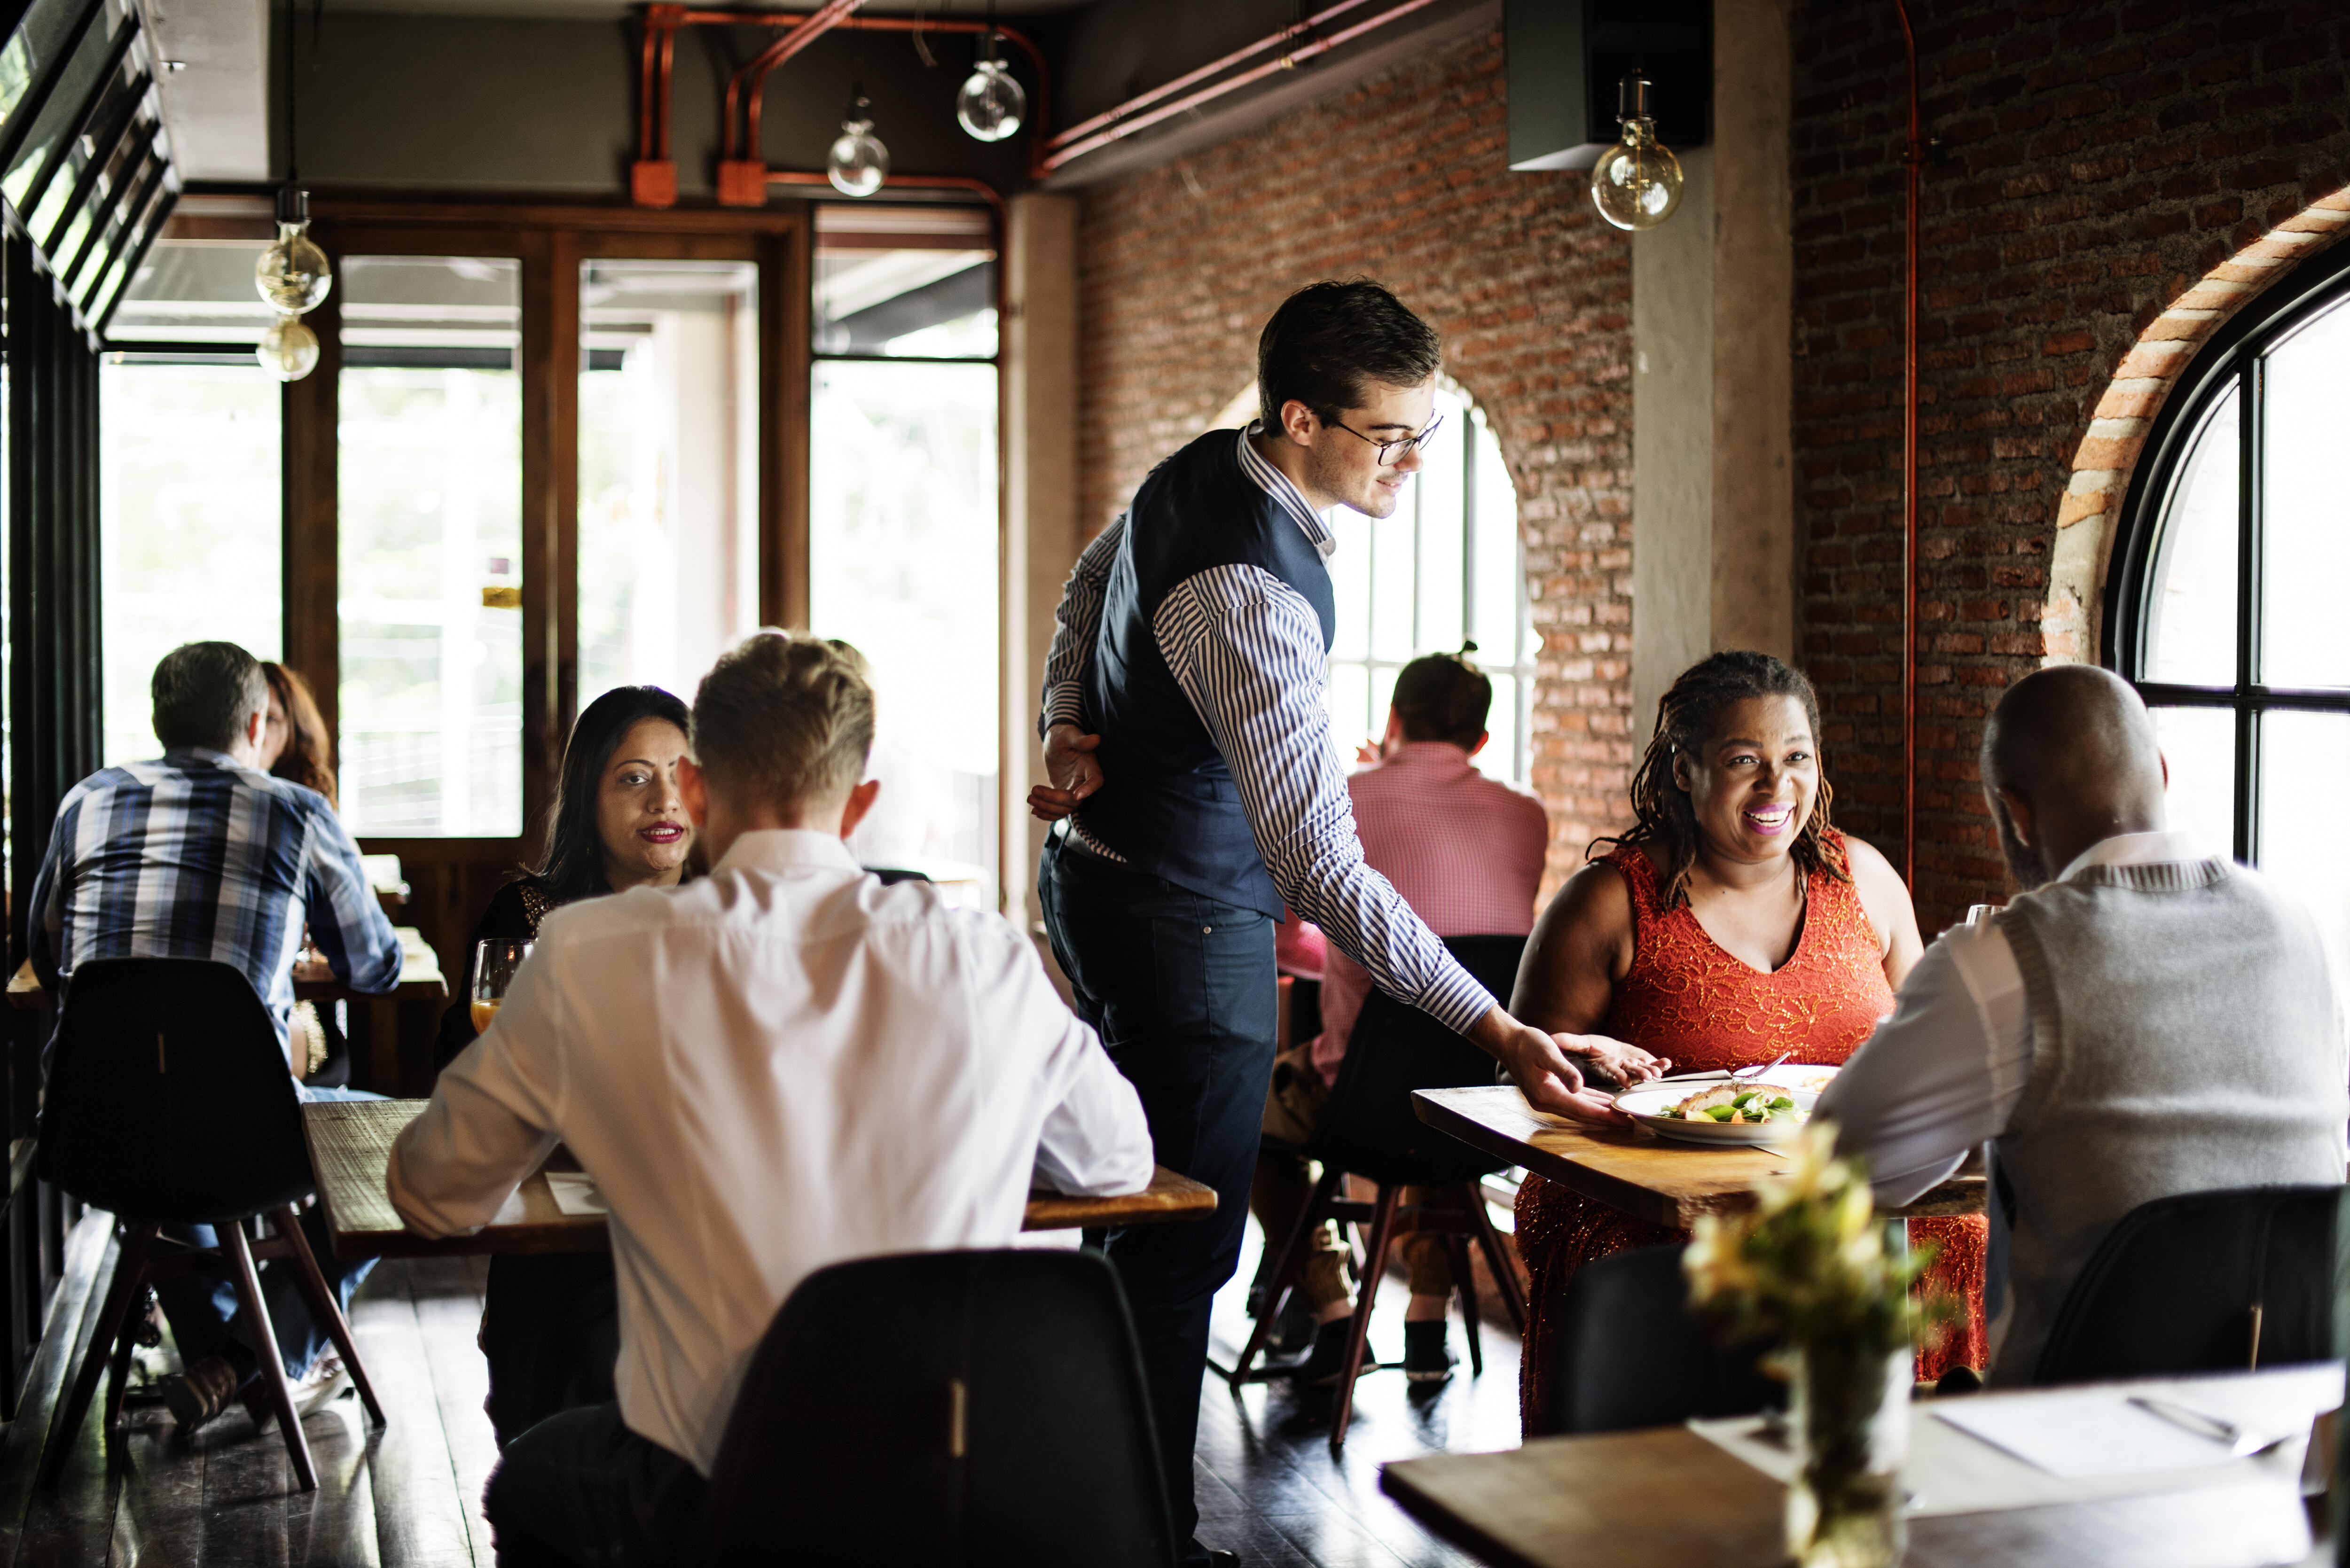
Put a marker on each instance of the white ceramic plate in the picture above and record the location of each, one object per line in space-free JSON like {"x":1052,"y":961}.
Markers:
{"x":1644,"y":1103}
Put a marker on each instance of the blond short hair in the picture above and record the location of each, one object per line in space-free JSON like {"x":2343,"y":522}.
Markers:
{"x":786,"y":719}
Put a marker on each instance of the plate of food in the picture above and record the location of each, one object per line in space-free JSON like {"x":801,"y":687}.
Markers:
{"x":1720,"y":1110}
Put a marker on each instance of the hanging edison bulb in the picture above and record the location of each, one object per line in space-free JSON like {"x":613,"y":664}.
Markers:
{"x":288,"y":350}
{"x":1636,"y":183}
{"x":991,"y":105}
{"x":293,"y":274}
{"x":857,"y":162}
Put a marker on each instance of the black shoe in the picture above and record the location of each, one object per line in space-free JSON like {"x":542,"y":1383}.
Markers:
{"x":1293,"y":1329}
{"x":1426,"y":1357}
{"x":1327,"y":1360}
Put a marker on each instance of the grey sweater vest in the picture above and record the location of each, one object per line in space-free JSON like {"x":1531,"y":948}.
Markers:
{"x":2184,"y":1039}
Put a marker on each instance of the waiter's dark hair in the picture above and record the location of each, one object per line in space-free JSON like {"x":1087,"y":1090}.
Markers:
{"x":1328,"y":339}
{"x":204,"y":692}
{"x":1664,"y":825}
{"x":1444,"y":697}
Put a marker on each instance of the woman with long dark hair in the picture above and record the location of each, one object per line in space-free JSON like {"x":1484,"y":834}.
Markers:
{"x":550,"y":1327}
{"x":1729,"y":924}
{"x":295,"y":745}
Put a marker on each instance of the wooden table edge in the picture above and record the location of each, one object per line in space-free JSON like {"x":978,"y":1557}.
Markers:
{"x":1957,"y":1195}
{"x":1447,"y":1525}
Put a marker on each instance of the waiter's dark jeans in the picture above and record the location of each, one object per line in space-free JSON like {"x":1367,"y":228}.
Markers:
{"x":1182,"y":990}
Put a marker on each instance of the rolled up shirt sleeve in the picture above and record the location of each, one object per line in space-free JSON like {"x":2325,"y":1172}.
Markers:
{"x":491,"y":1121}
{"x":1247,"y":650}
{"x":1943,"y":1073}
{"x":1076,"y":624}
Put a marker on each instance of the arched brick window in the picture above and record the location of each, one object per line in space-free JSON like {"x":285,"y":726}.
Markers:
{"x":2226,"y":600}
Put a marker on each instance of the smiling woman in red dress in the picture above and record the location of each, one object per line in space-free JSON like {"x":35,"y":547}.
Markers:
{"x":1728,"y":925}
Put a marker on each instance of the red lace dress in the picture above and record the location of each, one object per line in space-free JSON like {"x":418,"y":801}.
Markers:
{"x":1686,"y":997}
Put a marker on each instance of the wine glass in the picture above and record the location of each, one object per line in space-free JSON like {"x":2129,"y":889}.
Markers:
{"x":496,"y":959}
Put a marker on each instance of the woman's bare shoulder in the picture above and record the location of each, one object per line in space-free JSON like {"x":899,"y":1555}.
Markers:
{"x":1880,"y":887}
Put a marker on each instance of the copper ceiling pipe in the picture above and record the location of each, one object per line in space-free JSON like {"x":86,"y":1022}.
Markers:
{"x":1913,"y":159}
{"x":1143,"y":101}
{"x":813,"y":27}
{"x":1125,"y":127}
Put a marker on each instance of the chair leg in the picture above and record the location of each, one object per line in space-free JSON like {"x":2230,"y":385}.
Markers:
{"x":1382,"y":1231}
{"x":323,"y":1305}
{"x":129,"y":1285}
{"x":1464,"y":1274}
{"x":1293,"y":1259}
{"x":1506,"y":1278}
{"x":264,"y":1338}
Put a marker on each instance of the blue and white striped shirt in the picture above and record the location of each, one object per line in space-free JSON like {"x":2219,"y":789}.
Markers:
{"x":196,"y":856}
{"x":1246,"y":649}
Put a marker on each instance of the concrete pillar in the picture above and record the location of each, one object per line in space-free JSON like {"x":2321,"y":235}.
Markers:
{"x":1713,"y":559}
{"x":1040,"y":539}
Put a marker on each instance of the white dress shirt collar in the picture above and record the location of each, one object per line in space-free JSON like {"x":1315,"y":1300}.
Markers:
{"x":2169,"y":848}
{"x":783,"y":849}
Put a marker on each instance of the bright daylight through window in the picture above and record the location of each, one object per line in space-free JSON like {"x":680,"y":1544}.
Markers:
{"x":2249,"y":676}
{"x":430,"y":502}
{"x":904,"y":520}
{"x":189,"y":538}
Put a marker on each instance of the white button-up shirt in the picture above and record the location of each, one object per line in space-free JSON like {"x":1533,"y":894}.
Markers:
{"x":779,"y":1067}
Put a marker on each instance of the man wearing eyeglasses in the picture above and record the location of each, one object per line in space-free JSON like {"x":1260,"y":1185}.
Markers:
{"x":1187,"y":746}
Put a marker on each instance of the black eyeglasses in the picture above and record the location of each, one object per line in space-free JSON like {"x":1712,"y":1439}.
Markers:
{"x":1394,"y":452}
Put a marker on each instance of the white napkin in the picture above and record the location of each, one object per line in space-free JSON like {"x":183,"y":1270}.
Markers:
{"x":575,"y":1192}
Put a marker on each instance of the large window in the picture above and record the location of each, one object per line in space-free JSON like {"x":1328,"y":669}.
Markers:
{"x":189,"y":490}
{"x":428,"y":512}
{"x":2227,"y":581}
{"x":903,"y":520}
{"x":1446,"y":569}
{"x":669,"y":470}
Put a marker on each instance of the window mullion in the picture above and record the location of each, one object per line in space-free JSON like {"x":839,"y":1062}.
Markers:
{"x":2251,"y":427}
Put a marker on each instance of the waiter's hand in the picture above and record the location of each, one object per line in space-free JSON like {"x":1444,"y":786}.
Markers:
{"x":1540,"y":1065}
{"x":1072,"y":770}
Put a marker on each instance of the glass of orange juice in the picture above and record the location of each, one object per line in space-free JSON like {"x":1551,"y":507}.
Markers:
{"x":496,"y":959}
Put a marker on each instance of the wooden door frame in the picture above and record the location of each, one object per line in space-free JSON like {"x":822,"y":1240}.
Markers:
{"x":549,"y":240}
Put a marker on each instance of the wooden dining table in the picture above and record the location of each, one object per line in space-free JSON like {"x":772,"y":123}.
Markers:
{"x":421,"y":978}
{"x":1632,"y":1168}
{"x":350,"y":1147}
{"x":1667,"y":1498}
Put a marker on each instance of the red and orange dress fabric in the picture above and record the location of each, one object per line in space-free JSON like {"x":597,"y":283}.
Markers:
{"x":1686,"y":997}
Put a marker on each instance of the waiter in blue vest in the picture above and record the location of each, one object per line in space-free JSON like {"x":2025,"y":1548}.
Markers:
{"x":1187,"y":746}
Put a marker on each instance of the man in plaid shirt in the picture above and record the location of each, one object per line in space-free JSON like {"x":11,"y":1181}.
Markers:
{"x":202,"y":854}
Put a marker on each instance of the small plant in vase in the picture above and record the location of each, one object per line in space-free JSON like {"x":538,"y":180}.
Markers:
{"x":1809,"y":1266}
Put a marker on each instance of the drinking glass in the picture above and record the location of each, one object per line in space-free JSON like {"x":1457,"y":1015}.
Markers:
{"x":496,"y":959}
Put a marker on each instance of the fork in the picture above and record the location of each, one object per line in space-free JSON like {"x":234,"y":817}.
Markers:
{"x":1745,"y":1073}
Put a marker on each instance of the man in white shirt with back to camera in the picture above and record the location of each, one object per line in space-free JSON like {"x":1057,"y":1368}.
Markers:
{"x":781,"y":1066}
{"x":2144,"y":1020}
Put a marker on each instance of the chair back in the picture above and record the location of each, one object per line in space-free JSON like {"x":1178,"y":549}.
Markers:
{"x":1368,"y":1126}
{"x":2204,"y":1282}
{"x":944,"y":1408}
{"x":1625,"y":1353}
{"x":168,"y":1097}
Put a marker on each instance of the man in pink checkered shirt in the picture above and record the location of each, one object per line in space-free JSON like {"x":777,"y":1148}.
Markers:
{"x":1466,"y":852}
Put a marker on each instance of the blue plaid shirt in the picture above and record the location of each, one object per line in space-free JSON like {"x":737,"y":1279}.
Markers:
{"x":196,"y":856}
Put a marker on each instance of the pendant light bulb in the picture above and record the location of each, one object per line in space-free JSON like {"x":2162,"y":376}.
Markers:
{"x":290,"y":351}
{"x":293,"y":274}
{"x":858,"y":163}
{"x":992,"y":105}
{"x":1636,"y":183}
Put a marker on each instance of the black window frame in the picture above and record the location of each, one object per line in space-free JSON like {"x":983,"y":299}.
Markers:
{"x":2234,"y":360}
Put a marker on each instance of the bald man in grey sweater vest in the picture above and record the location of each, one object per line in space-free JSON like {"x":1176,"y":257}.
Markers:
{"x":2146,"y":1019}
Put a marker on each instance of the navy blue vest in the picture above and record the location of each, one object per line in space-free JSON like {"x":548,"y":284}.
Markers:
{"x":1168,"y":802}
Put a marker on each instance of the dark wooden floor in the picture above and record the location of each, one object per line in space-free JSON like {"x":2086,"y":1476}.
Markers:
{"x":409,"y":1496}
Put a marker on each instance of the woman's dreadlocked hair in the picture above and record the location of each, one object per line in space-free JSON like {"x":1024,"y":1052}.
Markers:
{"x":1663,"y":823}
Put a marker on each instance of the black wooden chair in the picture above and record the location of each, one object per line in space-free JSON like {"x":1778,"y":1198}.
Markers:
{"x":169,"y":1103}
{"x":944,"y":1408}
{"x":1369,"y":1129}
{"x":1625,"y":1353}
{"x":2206,"y":1282}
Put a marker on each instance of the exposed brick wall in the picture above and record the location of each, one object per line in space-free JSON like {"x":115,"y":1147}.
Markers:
{"x":2098,"y":158}
{"x":1403,"y":178}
